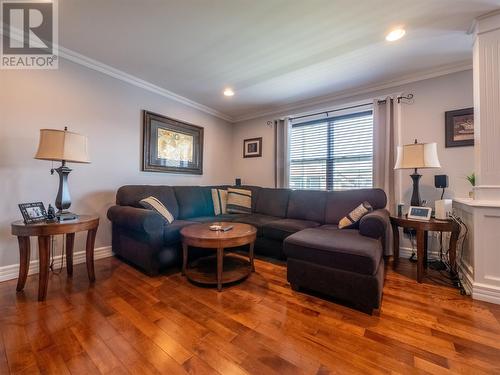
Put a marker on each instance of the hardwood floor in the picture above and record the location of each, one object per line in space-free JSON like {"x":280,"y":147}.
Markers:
{"x":131,"y":323}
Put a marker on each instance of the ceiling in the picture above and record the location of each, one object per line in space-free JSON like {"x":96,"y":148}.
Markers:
{"x":272,"y":52}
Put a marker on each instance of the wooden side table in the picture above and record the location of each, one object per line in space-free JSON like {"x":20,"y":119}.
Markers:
{"x":422,"y":227}
{"x":44,"y":231}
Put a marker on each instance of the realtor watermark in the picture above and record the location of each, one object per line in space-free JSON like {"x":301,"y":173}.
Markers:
{"x":29,"y":34}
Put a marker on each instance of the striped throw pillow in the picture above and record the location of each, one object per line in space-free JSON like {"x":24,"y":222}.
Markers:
{"x":152,"y":203}
{"x":219,"y":198}
{"x":239,"y":201}
{"x":355,"y":215}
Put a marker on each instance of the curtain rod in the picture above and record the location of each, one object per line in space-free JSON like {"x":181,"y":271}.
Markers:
{"x":399,"y":98}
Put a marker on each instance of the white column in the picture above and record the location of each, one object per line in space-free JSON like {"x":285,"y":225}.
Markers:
{"x":487,"y":106}
{"x":480,"y":262}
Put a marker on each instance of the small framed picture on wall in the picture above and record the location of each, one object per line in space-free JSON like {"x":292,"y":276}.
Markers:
{"x":252,"y":148}
{"x":460,"y":127}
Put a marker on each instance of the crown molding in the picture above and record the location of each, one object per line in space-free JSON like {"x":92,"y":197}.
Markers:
{"x":98,"y":66}
{"x":305,"y":104}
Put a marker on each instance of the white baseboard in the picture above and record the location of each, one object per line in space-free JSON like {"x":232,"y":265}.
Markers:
{"x":479,"y":291}
{"x":12,"y":271}
{"x":485,"y":292}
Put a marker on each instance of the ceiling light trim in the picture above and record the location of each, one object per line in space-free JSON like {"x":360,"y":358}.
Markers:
{"x":138,"y":82}
{"x":302,"y":105}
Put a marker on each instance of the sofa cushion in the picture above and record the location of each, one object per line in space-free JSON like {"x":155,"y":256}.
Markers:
{"x":210,"y":219}
{"x":194,"y":201}
{"x":273,"y":202}
{"x":343,"y":249}
{"x":340,"y":203}
{"x":172,"y":232}
{"x":131,"y":195}
{"x":307,"y":205}
{"x":257,"y":220}
{"x":281,"y":229}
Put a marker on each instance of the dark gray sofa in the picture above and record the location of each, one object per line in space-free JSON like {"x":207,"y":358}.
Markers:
{"x":297,"y":225}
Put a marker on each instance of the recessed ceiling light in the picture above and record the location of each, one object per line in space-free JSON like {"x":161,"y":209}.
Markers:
{"x":228,"y":92}
{"x":395,"y":34}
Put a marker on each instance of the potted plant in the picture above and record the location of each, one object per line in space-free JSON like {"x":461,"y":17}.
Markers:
{"x":472,"y":179}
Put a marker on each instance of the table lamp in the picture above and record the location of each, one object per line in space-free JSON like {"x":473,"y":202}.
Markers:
{"x":66,"y":147}
{"x":415,"y":156}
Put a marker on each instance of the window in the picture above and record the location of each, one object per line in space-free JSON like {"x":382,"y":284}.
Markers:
{"x":335,"y":153}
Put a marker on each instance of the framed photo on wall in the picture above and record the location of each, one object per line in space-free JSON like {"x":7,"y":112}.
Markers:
{"x":171,"y":146}
{"x":252,"y":148}
{"x":459,"y":127}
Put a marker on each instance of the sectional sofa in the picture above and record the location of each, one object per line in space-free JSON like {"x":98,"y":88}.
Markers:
{"x":297,"y":225}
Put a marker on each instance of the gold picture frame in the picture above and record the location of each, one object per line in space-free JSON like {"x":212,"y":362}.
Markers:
{"x":170,"y":145}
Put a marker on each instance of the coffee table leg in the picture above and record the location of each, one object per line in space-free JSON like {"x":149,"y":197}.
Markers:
{"x":184,"y":257}
{"x":251,"y":256}
{"x":24,"y":264}
{"x":220,"y":265}
{"x":43,"y":256}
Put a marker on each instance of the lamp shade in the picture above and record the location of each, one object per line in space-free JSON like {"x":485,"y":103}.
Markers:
{"x":417,"y":155}
{"x":59,"y":145}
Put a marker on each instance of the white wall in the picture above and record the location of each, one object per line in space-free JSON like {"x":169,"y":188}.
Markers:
{"x":108,"y":111}
{"x":424,"y":120}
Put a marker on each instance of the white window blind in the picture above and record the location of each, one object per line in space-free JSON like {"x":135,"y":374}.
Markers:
{"x":335,"y":153}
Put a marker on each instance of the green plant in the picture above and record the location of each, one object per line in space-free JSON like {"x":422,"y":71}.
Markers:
{"x":472,"y":179}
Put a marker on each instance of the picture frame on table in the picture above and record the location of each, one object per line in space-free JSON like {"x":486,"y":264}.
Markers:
{"x":33,"y":212}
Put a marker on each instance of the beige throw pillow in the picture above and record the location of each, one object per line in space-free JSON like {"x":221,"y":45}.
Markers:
{"x":152,"y":203}
{"x":355,"y":215}
{"x":219,"y":198}
{"x":239,"y":201}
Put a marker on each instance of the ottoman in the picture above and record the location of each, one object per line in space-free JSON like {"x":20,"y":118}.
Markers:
{"x":339,"y":263}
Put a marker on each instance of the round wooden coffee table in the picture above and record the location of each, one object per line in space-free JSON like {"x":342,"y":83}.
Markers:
{"x":218,"y":269}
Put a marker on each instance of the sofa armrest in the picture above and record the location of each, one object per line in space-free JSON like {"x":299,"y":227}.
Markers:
{"x":375,"y":224}
{"x":137,"y":219}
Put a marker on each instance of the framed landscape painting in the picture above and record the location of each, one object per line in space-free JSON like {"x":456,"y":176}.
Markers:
{"x":460,"y":127}
{"x":171,"y":146}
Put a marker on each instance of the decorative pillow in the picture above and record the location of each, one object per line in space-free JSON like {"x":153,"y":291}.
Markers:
{"x":219,"y":198}
{"x":355,"y":215}
{"x":152,"y":203}
{"x":239,"y":201}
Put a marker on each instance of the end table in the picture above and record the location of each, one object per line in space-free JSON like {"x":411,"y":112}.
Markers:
{"x":422,"y":227}
{"x":44,"y":231}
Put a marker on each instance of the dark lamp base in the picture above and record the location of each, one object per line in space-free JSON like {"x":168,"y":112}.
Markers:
{"x":66,"y":215}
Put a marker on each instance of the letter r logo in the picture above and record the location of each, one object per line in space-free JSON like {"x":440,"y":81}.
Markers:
{"x":28,"y":28}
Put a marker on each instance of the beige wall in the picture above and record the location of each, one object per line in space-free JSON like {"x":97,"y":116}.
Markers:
{"x":108,"y":111}
{"x":424,"y":120}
